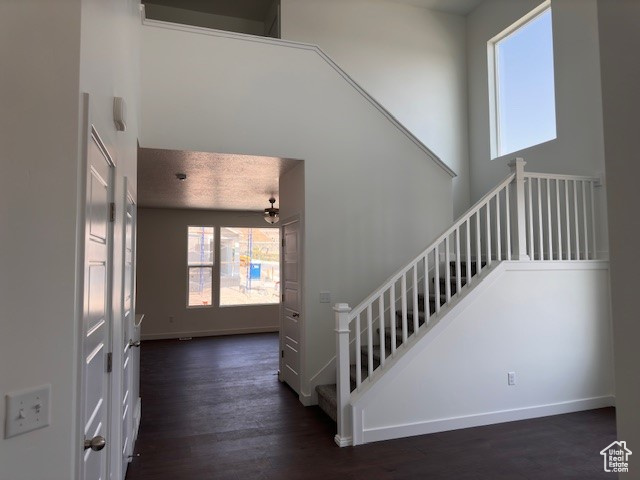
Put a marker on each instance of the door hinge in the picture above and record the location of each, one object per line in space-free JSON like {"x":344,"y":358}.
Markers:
{"x":109,"y":362}
{"x":283,"y":242}
{"x":282,"y":353}
{"x":283,"y":297}
{"x":112,"y":211}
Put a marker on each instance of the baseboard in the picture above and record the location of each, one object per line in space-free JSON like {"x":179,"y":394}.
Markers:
{"x":209,"y":333}
{"x":469,"y":421}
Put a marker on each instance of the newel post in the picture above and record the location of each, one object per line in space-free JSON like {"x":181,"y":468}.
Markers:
{"x":520,"y":232}
{"x":343,"y":383}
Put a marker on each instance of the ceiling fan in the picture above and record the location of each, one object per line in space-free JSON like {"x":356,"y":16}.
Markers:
{"x":272,"y":214}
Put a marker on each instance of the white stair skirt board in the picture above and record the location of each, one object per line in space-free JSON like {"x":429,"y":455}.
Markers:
{"x":469,"y":421}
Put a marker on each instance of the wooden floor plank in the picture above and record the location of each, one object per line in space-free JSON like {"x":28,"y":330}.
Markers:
{"x":213,"y":408}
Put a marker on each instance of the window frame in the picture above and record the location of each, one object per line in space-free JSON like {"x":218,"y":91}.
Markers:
{"x":219,"y":278}
{"x":494,"y":80}
{"x":202,"y":265}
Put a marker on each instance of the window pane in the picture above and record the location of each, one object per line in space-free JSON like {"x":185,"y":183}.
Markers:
{"x":249,"y":266}
{"x":200,"y":246}
{"x":525,"y":86}
{"x":200,"y":286}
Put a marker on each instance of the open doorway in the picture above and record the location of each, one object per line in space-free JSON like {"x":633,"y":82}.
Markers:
{"x":207,"y":263}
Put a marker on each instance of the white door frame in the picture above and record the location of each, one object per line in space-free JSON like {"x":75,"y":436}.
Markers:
{"x":88,"y":134}
{"x":302,"y":322}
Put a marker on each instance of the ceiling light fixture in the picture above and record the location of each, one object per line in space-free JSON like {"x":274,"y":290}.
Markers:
{"x":272,"y":214}
{"x":181,"y":176}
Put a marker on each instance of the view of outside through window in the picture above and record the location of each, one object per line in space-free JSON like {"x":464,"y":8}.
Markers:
{"x":200,"y":265}
{"x":249,"y":266}
{"x":525,"y":94}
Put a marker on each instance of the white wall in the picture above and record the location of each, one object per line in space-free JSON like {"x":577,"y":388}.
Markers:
{"x":410,"y":59}
{"x":619,"y":35}
{"x":201,"y":19}
{"x":364,"y":215}
{"x":53,"y":53}
{"x":39,"y":94}
{"x":578,"y":148}
{"x":550,"y":326}
{"x":162,"y":284}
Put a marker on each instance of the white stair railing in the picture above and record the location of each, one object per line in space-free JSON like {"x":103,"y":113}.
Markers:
{"x":526,"y":217}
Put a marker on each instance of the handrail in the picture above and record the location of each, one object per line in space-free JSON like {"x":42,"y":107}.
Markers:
{"x":465,"y":216}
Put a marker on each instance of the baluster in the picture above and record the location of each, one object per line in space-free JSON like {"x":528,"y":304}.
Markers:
{"x":559,"y":220}
{"x":383,"y":353}
{"x":403,"y":300}
{"x":566,"y":200}
{"x":530,"y":204}
{"x":488,"y":239}
{"x":593,"y":220}
{"x":549,"y":236}
{"x":467,"y":221}
{"x":427,"y":307}
{"x":447,"y":271}
{"x":436,"y":278}
{"x":358,"y":355}
{"x":478,"y":244}
{"x":584,"y":218}
{"x":369,"y":340}
{"x":416,"y":310}
{"x":575,"y":211}
{"x":498,"y":232}
{"x":507,"y":208}
{"x":458,"y":254}
{"x":540,"y":232}
{"x":393,"y":315}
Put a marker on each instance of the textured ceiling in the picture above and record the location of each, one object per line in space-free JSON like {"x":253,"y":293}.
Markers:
{"x":214,"y":181}
{"x":460,"y":7}
{"x":249,"y":9}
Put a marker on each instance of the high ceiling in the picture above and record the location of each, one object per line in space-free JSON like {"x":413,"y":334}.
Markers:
{"x":214,"y":181}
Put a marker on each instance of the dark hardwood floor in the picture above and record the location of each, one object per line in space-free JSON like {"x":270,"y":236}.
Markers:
{"x":213,"y":408}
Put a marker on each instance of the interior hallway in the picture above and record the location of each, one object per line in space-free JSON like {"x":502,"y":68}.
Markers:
{"x":213,"y":408}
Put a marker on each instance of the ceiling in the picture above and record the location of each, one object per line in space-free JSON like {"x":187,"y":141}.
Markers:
{"x":460,"y":7}
{"x":214,"y":181}
{"x":248,"y":9}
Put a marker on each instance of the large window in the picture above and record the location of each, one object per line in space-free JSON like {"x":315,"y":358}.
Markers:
{"x":522,"y":84}
{"x":200,"y":266}
{"x":249,"y":266}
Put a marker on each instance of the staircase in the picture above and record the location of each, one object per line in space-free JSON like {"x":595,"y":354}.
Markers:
{"x":327,"y":394}
{"x":526,"y":217}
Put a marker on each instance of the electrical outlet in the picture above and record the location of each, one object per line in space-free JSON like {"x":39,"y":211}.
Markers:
{"x":511,"y":378}
{"x":325,"y":297}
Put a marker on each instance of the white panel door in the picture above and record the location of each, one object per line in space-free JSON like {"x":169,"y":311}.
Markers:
{"x":97,"y":308}
{"x":290,"y":334}
{"x":127,"y":405}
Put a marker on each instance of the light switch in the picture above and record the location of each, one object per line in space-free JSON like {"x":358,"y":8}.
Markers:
{"x":325,"y":297}
{"x":27,"y":410}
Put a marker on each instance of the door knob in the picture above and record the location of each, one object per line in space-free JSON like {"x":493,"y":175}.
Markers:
{"x":295,"y":315}
{"x":134,"y":344}
{"x":96,"y":443}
